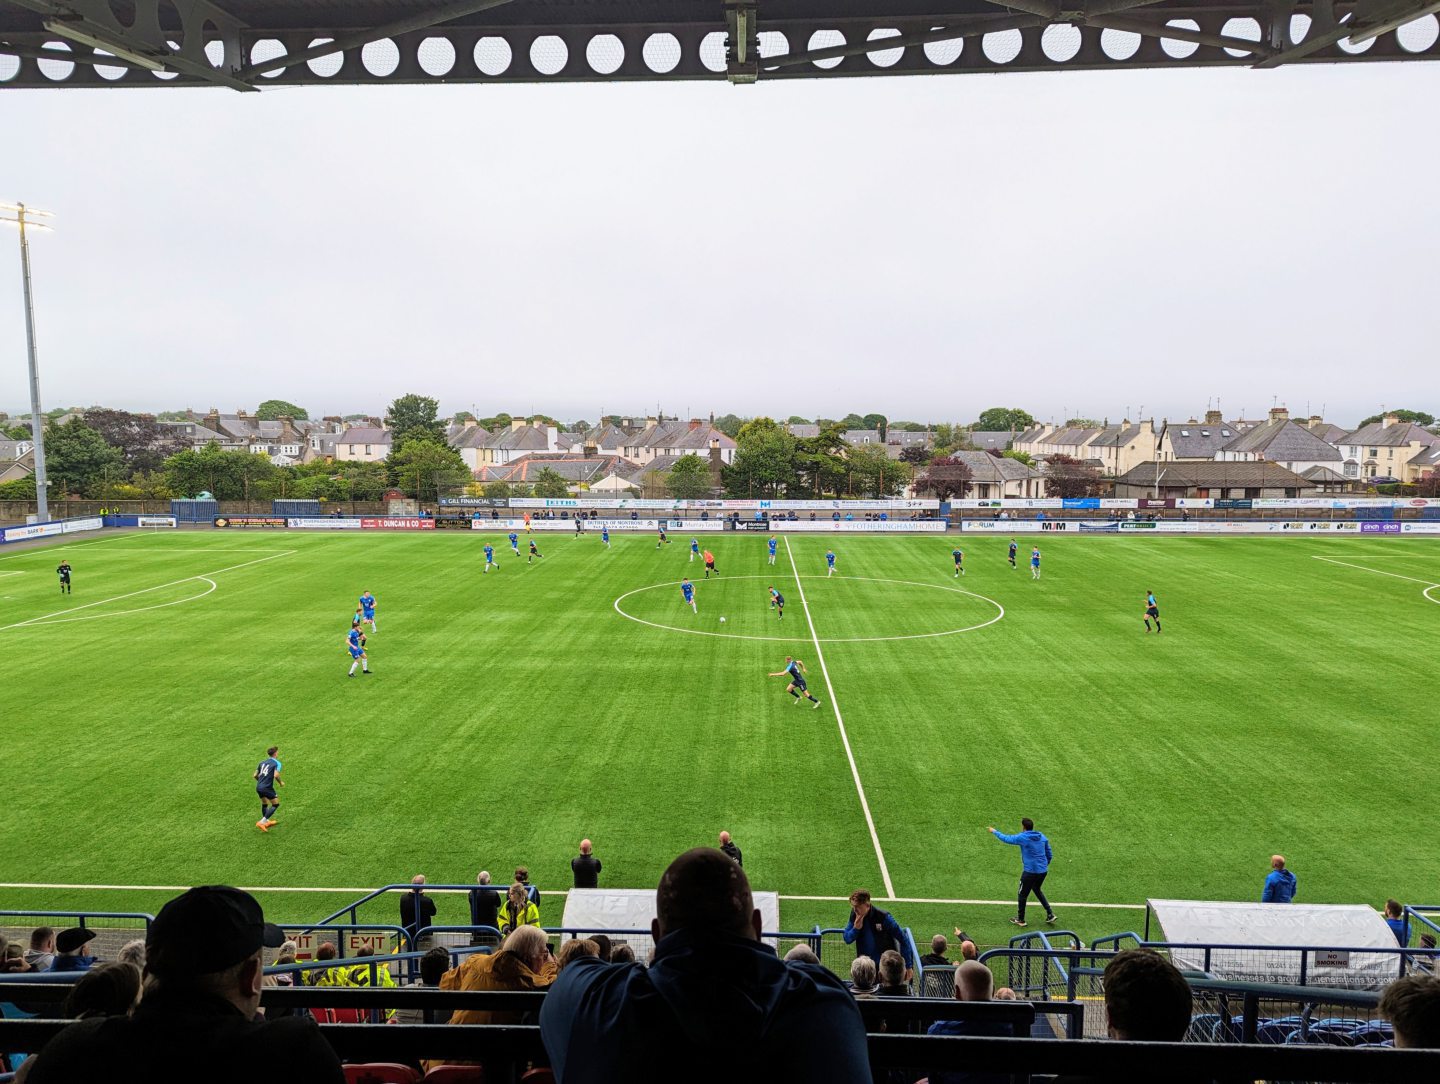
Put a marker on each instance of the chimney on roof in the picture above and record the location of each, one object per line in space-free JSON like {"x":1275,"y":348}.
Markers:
{"x":1316,"y":421}
{"x":241,"y":414}
{"x":1213,"y":417}
{"x":1391,"y":419}
{"x":1279,"y":414}
{"x":717,"y":461}
{"x":694,"y":424}
{"x":649,"y":421}
{"x":469,"y":423}
{"x":517,"y":424}
{"x":212,"y":420}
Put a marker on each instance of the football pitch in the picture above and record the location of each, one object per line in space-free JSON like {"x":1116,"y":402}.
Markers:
{"x":1289,"y":706}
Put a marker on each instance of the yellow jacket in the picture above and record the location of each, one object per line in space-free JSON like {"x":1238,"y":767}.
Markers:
{"x":508,"y":919}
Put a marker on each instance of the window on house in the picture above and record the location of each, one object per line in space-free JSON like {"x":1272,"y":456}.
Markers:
{"x":1374,"y":451}
{"x":367,"y":449}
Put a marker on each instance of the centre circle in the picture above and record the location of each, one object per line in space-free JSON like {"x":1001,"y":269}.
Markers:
{"x":798,"y":611}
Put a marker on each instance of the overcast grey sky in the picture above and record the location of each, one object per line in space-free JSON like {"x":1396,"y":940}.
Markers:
{"x":1076,"y":243}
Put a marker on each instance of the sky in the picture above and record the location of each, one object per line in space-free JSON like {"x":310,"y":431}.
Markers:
{"x":1108,"y":244}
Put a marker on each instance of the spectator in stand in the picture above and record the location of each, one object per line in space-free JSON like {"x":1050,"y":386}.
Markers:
{"x":42,"y":948}
{"x":1280,"y":885}
{"x":731,"y":850}
{"x":936,"y":956}
{"x":523,"y":963}
{"x":106,"y":990}
{"x":802,"y":954}
{"x":197,"y":1019}
{"x":70,"y":950}
{"x":580,"y":946}
{"x":872,"y":931}
{"x":622,"y":954}
{"x":603,"y":943}
{"x":968,"y":951}
{"x":133,"y":952}
{"x":351,"y":975}
{"x":12,"y":959}
{"x":1035,"y":859}
{"x":522,"y":876}
{"x":892,"y":975}
{"x":1425,"y":963}
{"x":433,"y":966}
{"x":1412,"y":1005}
{"x":1395,"y":919}
{"x":517,"y":910}
{"x":586,"y":867}
{"x":484,"y":908}
{"x":288,"y":979}
{"x":1005,"y":994}
{"x":715,"y":1005}
{"x":417,"y":910}
{"x":324,"y":953}
{"x":1146,"y":998}
{"x":973,"y":982}
{"x":863,"y":975}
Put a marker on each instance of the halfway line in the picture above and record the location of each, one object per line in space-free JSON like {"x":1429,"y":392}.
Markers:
{"x":840,"y":722}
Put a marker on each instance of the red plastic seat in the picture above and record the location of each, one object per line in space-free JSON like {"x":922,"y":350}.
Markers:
{"x":381,"y":1072}
{"x":455,"y":1074}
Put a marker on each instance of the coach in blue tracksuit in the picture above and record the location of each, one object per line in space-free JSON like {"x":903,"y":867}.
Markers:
{"x":1035,"y":859}
{"x":873,"y":931}
{"x":1281,"y":885}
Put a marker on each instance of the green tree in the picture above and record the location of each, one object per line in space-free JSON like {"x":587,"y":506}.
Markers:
{"x":689,"y":478}
{"x":271,"y":409}
{"x":1404,"y":415}
{"x":999,"y":419}
{"x":917,"y":455}
{"x":422,"y":465}
{"x":729,"y":424}
{"x":142,"y":440}
{"x":1066,"y":476}
{"x":795,"y":419}
{"x":497,"y":491}
{"x":210,"y":469}
{"x":414,"y":417}
{"x":820,"y":461}
{"x":874,"y":474}
{"x":16,"y":432}
{"x":1083,"y":423}
{"x":1019,"y":457}
{"x":20,"y":489}
{"x":877,"y":422}
{"x":852,"y":421}
{"x":764,"y":463}
{"x":550,"y":483}
{"x":462,"y":416}
{"x":79,"y":461}
{"x":366,"y":481}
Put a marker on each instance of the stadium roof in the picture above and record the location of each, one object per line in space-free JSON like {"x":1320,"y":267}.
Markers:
{"x":250,"y":44}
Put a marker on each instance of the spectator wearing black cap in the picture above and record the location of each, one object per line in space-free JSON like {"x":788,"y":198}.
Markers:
{"x":197,"y":1020}
{"x":70,"y":950}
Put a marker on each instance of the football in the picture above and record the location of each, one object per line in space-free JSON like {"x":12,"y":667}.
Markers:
{"x":722,"y":621}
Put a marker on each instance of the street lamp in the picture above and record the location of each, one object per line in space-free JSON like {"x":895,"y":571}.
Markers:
{"x":21,"y":215}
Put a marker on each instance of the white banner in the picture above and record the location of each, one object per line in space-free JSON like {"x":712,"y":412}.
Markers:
{"x":323,"y":524}
{"x":90,"y":523}
{"x":48,"y":530}
{"x":1291,"y":528}
{"x":897,"y":504}
{"x":882,"y":526}
{"x":155,"y":521}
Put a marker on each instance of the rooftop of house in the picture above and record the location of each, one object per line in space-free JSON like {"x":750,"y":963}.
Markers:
{"x":1380,"y":435}
{"x":1283,"y":440}
{"x":364,"y":435}
{"x":1209,"y":473}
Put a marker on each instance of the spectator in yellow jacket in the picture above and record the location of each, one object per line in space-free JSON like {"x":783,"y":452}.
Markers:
{"x":517,"y":910}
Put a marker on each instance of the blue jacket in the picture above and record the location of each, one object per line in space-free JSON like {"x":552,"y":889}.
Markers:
{"x":1280,"y":887}
{"x":877,"y":933}
{"x":1035,"y":853}
{"x":1397,"y":927}
{"x":710,"y":1009}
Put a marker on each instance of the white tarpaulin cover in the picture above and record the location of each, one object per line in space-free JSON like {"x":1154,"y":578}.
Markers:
{"x":1271,"y":928}
{"x":633,"y":908}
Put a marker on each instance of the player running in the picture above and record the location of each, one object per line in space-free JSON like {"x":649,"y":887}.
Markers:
{"x":1013,"y":550}
{"x":795,"y":670}
{"x":777,"y":603}
{"x":489,"y":557}
{"x":1035,"y":563}
{"x":579,"y":526}
{"x":694,"y":548}
{"x":710,"y":565}
{"x":355,"y":644}
{"x":959,"y":557}
{"x":267,"y":778}
{"x":514,"y":540}
{"x":830,"y":563}
{"x":534,"y":553}
{"x":688,"y":590}
{"x":771,"y":544}
{"x":64,"y":573}
{"x":662,"y":540}
{"x":1152,"y":611}
{"x":605,"y":536}
{"x":367,"y":607}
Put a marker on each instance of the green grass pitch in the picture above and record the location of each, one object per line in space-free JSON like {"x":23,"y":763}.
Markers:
{"x":1289,"y":706}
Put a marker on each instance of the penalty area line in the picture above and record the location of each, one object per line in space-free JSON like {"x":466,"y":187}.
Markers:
{"x":840,"y":722}
{"x":1376,"y":571}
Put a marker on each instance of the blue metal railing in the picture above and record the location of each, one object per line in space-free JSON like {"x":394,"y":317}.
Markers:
{"x":351,"y":909}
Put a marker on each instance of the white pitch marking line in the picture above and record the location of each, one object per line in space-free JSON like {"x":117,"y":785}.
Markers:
{"x":145,"y":590}
{"x":33,"y":550}
{"x":20,"y":573}
{"x":140,"y":609}
{"x":840,"y":722}
{"x":1362,"y":568}
{"x":548,"y":892}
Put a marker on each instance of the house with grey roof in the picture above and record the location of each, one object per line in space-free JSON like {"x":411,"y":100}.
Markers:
{"x":363,"y":444}
{"x":17,"y":460}
{"x":1384,"y":449}
{"x":581,"y":472}
{"x":998,"y":476}
{"x":1426,"y":461}
{"x":1196,"y":440}
{"x":984,"y":440}
{"x":674,"y":437}
{"x":1280,"y":440}
{"x":1227,"y":481}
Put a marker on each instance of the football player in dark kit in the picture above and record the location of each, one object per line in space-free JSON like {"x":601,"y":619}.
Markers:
{"x":64,"y":573}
